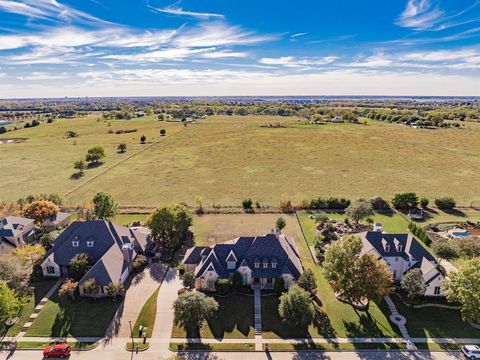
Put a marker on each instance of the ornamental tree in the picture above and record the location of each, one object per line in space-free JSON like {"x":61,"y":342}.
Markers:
{"x":296,"y":308}
{"x":192,"y":309}
{"x":40,"y":210}
{"x":359,"y":210}
{"x":104,"y":206}
{"x":413,"y":284}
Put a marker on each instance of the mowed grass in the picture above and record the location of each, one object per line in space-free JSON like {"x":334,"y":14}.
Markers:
{"x":84,"y":317}
{"x":44,"y":163}
{"x":227,"y":159}
{"x":146,"y":317}
{"x":233,"y":320}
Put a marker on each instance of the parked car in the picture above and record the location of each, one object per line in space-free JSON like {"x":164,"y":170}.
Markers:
{"x":57,"y":350}
{"x":471,"y":351}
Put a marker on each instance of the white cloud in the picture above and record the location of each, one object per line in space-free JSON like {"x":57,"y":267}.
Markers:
{"x":290,"y":61}
{"x":420,"y":15}
{"x":218,"y":34}
{"x":158,"y":56}
{"x":173,"y":10}
{"x":42,"y":76}
{"x":224,"y":54}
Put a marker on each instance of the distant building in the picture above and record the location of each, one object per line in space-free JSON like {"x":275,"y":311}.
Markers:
{"x":111,"y":248}
{"x":15,"y":231}
{"x":57,"y":221}
{"x":260,"y":260}
{"x":402,"y":253}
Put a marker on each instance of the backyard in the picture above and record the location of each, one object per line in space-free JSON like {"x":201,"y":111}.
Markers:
{"x":225,"y":159}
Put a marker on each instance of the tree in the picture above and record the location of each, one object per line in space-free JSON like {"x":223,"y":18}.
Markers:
{"x":170,"y":225}
{"x":40,"y":210}
{"x":359,"y":210}
{"x":115,"y":290}
{"x":95,"y":154}
{"x":29,"y":254}
{"x":90,"y":286}
{"x":121,"y":148}
{"x":189,"y":280}
{"x":192,"y":309}
{"x":280,"y":223}
{"x":307,"y":282}
{"x":104,"y":206}
{"x":469,"y":247}
{"x":199,"y":203}
{"x":10,"y":304}
{"x":424,"y":202}
{"x":445,"y":249}
{"x":279,"y":285}
{"x":79,"y":265}
{"x":11,"y":273}
{"x":163,"y":132}
{"x":405,"y":201}
{"x":413,"y":284}
{"x":80,"y":166}
{"x":143,"y":138}
{"x":68,"y":288}
{"x":237,"y":281}
{"x":139,"y":263}
{"x":47,"y":239}
{"x":445,"y":203}
{"x":354,"y":277}
{"x":464,"y":287}
{"x":222,"y":286}
{"x":296,"y":308}
{"x":247,"y":204}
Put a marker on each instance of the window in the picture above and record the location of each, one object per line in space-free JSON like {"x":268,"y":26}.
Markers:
{"x":394,"y":273}
{"x":265,"y":265}
{"x":387,"y":248}
{"x":400,"y":247}
{"x":50,"y":270}
{"x":274,"y":265}
{"x":436,"y":291}
{"x":90,"y":243}
{"x":257,"y":265}
{"x":245,"y":279}
{"x":396,"y":259}
{"x":231,"y":265}
{"x":75,"y":243}
{"x":270,"y":281}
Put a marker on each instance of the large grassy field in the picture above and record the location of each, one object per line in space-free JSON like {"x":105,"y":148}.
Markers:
{"x":226,"y":159}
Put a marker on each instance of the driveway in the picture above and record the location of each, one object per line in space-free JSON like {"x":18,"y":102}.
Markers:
{"x":141,"y":287}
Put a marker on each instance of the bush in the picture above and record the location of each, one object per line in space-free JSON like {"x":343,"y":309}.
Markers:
{"x":71,"y":134}
{"x":279,"y":285}
{"x":405,"y":201}
{"x":139,"y":263}
{"x":222,"y":286}
{"x":3,"y":130}
{"x":247,"y":204}
{"x":424,"y":202}
{"x":469,"y":247}
{"x":237,"y":281}
{"x":286,"y":206}
{"x":319,"y":251}
{"x":419,"y":233}
{"x":445,"y":249}
{"x":163,"y":132}
{"x":143,"y":138}
{"x":445,"y":203}
{"x":379,"y":203}
{"x":189,"y":280}
{"x":181,"y":269}
{"x":280,"y":223}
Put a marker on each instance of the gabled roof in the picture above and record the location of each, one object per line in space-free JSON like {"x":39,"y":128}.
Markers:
{"x":57,"y":218}
{"x":106,"y":253}
{"x":12,"y":225}
{"x":247,"y":251}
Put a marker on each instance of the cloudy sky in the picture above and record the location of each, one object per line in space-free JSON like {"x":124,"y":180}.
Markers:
{"x":56,"y":48}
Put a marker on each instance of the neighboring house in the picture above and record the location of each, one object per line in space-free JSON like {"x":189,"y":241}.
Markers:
{"x":15,"y":231}
{"x":259,"y":260}
{"x":58,"y":221}
{"x":111,"y":248}
{"x":402,"y":252}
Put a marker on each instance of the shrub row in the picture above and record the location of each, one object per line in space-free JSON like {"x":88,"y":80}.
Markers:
{"x":419,"y":233}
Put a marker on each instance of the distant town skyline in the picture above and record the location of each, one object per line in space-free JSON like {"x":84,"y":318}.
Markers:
{"x":51,"y":48}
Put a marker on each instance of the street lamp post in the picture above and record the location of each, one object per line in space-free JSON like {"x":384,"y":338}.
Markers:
{"x":131,"y":334}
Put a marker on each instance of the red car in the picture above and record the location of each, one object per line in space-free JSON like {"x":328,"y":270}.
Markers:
{"x":57,"y":350}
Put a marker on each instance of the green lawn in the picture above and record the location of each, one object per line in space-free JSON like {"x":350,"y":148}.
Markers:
{"x":438,"y":216}
{"x":209,"y":347}
{"x":127,"y":219}
{"x":226,"y":159}
{"x":336,"y":346}
{"x":84,"y":317}
{"x":40,"y":289}
{"x":435,"y":322}
{"x":147,"y":315}
{"x":333,"y":318}
{"x":234,"y":320}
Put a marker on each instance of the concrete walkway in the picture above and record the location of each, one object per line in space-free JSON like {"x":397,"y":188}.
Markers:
{"x":398,"y":319}
{"x":38,"y":308}
{"x":258,"y":317}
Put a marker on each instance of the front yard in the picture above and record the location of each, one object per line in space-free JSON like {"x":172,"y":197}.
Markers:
{"x":234,"y":320}
{"x":61,"y":317}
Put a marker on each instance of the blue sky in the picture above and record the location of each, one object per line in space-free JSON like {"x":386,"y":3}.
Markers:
{"x":248,"y":47}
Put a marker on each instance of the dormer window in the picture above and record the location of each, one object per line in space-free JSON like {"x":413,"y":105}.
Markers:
{"x":274,"y":265}
{"x":257,"y":265}
{"x":90,"y":243}
{"x":75,"y":243}
{"x":400,"y":247}
{"x":387,"y":248}
{"x":231,"y":265}
{"x":265,"y":265}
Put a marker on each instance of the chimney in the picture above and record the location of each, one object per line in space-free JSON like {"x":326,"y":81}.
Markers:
{"x":127,"y":252}
{"x":276,"y":231}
